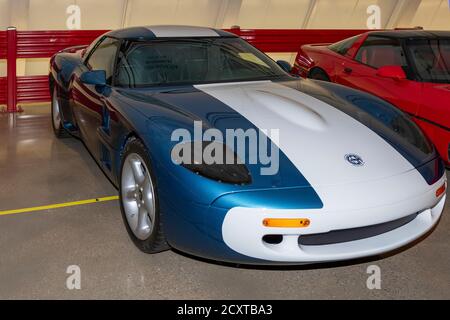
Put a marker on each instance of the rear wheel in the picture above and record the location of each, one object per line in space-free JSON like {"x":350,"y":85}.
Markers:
{"x":139,"y":199}
{"x":319,"y":74}
{"x":58,"y":128}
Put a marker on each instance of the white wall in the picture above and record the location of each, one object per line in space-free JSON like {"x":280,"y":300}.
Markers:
{"x":187,"y":12}
{"x":4,"y":14}
{"x":95,"y":14}
{"x":433,"y":15}
{"x":311,"y":14}
{"x":347,"y":14}
{"x":108,"y":14}
{"x":272,"y":14}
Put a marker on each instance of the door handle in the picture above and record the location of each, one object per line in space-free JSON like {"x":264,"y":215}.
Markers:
{"x":348,"y":70}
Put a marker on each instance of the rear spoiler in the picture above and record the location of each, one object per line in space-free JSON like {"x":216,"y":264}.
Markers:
{"x":318,"y":44}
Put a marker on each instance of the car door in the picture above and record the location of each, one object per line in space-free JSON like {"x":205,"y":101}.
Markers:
{"x":361,"y":73}
{"x":345,"y":51}
{"x":89,"y":105}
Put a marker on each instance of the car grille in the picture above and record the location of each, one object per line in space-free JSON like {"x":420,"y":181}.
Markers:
{"x":339,"y":236}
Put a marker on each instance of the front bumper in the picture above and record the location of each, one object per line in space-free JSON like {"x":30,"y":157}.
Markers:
{"x":244,"y":232}
{"x":251,"y":243}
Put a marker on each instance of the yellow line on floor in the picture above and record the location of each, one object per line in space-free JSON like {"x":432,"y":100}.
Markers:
{"x":58,"y":205}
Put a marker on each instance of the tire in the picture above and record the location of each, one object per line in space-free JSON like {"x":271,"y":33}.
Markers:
{"x":57,"y":125}
{"x":139,"y":199}
{"x":318,"y":74}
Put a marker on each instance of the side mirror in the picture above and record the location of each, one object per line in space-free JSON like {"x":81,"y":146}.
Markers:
{"x":95,"y":77}
{"x":286,"y":66}
{"x":393,"y":72}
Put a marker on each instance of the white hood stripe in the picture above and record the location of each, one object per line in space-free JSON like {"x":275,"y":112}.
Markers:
{"x":315,"y":136}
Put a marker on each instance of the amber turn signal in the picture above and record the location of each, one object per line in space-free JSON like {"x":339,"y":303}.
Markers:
{"x":440,"y":191}
{"x":286,"y":223}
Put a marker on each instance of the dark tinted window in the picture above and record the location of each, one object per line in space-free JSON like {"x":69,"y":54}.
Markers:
{"x":430,"y":59}
{"x":378,"y":52}
{"x":178,"y":61}
{"x":343,"y":46}
{"x":103,"y":57}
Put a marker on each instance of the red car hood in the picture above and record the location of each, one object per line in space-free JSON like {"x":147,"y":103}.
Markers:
{"x":438,"y":86}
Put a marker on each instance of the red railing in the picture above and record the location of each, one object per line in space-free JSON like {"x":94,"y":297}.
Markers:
{"x":3,"y":94}
{"x":290,"y":40}
{"x":43,"y":44}
{"x":33,"y":44}
{"x":32,"y":89}
{"x":3,"y":45}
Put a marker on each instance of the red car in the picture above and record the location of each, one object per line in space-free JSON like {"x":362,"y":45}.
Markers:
{"x":408,"y":68}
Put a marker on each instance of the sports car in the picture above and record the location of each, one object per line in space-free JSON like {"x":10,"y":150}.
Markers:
{"x":408,"y":68}
{"x":219,"y":152}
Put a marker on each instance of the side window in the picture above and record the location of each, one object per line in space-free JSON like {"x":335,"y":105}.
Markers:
{"x":379,"y":52}
{"x":103,"y":57}
{"x":343,"y":46}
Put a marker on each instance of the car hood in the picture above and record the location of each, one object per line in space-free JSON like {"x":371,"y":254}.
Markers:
{"x":442,"y":89}
{"x":323,"y":142}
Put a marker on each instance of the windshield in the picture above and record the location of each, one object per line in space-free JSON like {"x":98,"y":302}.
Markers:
{"x":431,"y":59}
{"x":192,"y":61}
{"x":343,"y":46}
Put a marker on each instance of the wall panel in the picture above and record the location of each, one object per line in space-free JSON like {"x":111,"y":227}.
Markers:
{"x":189,"y":12}
{"x":433,"y":14}
{"x":4,"y":14}
{"x":95,"y":14}
{"x":273,"y":14}
{"x":348,"y":14}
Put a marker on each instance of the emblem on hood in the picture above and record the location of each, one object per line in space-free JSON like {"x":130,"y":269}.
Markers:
{"x":354,"y":159}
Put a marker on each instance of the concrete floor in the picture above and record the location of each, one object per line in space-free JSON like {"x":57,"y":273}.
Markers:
{"x":36,"y":248}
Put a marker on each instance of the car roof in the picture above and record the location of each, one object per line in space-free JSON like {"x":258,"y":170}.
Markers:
{"x":167,"y":31}
{"x":411,"y":34}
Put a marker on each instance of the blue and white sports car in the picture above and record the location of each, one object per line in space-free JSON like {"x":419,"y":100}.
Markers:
{"x":217,"y":151}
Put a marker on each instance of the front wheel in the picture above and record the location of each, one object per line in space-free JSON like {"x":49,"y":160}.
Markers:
{"x":57,"y":125}
{"x":139,"y":199}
